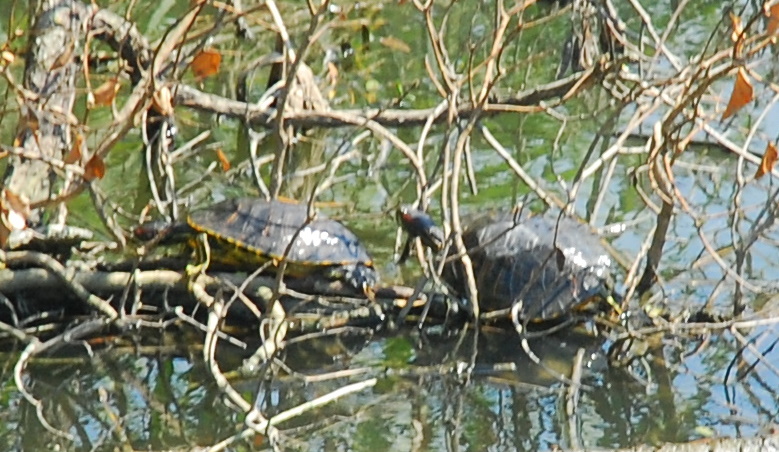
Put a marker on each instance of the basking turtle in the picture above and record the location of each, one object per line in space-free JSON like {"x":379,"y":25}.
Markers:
{"x":247,"y":233}
{"x":553,"y":266}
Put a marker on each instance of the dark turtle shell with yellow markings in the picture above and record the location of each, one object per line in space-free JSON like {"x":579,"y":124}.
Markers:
{"x":249,"y":232}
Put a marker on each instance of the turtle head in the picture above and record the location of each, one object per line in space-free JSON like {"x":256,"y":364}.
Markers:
{"x":419,"y":224}
{"x":163,"y":231}
{"x":595,"y":289}
{"x":361,"y":276}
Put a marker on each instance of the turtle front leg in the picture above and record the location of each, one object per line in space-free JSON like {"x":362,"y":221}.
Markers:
{"x":203,"y":257}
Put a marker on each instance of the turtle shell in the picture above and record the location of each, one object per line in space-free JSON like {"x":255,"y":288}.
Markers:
{"x":249,"y":232}
{"x":553,"y":266}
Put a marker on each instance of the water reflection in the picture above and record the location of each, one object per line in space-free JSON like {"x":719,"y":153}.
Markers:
{"x":436,"y":390}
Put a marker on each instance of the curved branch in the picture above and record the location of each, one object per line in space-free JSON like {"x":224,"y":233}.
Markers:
{"x":64,"y":276}
{"x":259,"y":116}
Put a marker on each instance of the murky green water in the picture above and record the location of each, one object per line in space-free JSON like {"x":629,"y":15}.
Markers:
{"x":443,"y":390}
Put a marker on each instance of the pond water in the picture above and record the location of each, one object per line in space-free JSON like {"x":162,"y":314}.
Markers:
{"x":438,"y":389}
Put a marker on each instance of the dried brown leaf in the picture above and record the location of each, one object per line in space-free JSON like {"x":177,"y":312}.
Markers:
{"x":31,"y":123}
{"x":773,"y":20}
{"x":206,"y":63}
{"x":394,"y":43}
{"x":64,"y":58}
{"x":767,"y":163}
{"x":74,"y":155}
{"x":94,"y":169}
{"x":106,"y":93}
{"x":223,"y":160}
{"x":18,"y":205}
{"x":742,"y":94}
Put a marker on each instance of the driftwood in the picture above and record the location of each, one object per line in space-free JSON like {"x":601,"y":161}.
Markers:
{"x":49,"y":285}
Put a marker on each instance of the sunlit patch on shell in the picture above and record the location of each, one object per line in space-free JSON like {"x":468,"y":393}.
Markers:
{"x":575,"y":257}
{"x":317,"y":237}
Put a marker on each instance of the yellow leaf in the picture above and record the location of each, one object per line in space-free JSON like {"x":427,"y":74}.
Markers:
{"x":738,"y":28}
{"x":394,"y":43}
{"x":14,"y":211}
{"x":206,"y":63}
{"x":737,"y":36}
{"x":332,"y":73}
{"x":162,"y":101}
{"x":767,"y":164}
{"x":743,"y":93}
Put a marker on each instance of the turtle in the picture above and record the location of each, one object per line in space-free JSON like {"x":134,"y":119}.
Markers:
{"x":546,"y":266}
{"x":247,"y":233}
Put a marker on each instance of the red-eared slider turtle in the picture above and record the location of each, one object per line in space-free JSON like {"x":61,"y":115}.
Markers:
{"x":553,"y":266}
{"x":247,"y":233}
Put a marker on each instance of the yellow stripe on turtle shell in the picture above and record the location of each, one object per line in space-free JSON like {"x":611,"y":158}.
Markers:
{"x":247,"y":255}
